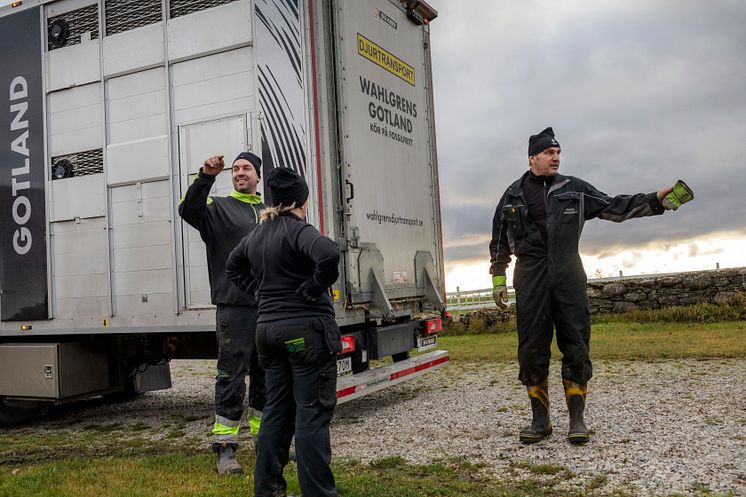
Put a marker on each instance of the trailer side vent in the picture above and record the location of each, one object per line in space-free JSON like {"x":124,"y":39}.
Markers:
{"x":180,"y":8}
{"x":59,"y":32}
{"x":72,"y":27}
{"x":78,"y":164}
{"x":123,"y":15}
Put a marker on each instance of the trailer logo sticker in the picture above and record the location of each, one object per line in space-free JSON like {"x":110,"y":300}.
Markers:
{"x":393,"y":219}
{"x":385,"y":18}
{"x":391,"y":112}
{"x":23,"y":224}
{"x":384,"y":59}
{"x":21,"y":209}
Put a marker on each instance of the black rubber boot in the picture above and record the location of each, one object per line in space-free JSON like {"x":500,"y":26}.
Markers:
{"x":575,"y":396}
{"x":541,"y":426}
{"x":227,"y":462}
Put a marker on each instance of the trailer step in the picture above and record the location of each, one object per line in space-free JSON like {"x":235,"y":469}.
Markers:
{"x":355,"y":386}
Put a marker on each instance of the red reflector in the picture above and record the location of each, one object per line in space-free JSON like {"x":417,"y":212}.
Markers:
{"x":348,"y":344}
{"x":433,"y":325}
{"x":449,"y":315}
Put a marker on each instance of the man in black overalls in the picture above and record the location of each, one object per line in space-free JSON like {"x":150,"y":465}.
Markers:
{"x":539,"y":220}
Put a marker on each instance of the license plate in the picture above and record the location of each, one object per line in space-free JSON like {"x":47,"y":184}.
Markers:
{"x":344,"y":366}
{"x":424,"y":343}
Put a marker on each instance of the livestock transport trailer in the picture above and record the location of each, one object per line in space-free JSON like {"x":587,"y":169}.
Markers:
{"x":108,"y":109}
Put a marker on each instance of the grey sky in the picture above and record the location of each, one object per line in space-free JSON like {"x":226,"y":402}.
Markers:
{"x":640,"y":93}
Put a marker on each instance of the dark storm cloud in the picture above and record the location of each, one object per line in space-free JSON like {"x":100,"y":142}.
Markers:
{"x":639,"y":93}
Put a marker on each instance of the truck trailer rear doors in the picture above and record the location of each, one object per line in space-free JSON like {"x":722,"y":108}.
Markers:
{"x":391,"y":214}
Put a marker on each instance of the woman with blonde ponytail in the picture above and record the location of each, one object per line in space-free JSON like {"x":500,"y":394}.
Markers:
{"x":290,"y":265}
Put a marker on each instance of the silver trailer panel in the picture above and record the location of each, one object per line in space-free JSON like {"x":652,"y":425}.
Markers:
{"x":360,"y":130}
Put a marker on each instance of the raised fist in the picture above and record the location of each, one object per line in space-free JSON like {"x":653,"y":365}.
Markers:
{"x":213,"y":165}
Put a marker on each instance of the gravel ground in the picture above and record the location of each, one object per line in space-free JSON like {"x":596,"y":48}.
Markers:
{"x":661,"y":428}
{"x":658,"y":428}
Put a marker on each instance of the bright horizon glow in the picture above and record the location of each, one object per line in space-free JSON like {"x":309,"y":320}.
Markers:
{"x":728,"y":250}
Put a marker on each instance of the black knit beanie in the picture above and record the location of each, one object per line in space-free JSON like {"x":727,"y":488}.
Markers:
{"x":286,"y":186}
{"x":255,"y":161}
{"x":544,"y":140}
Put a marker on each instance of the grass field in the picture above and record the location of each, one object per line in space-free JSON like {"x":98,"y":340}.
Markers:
{"x":186,"y":474}
{"x":618,"y":341}
{"x":128,"y":464}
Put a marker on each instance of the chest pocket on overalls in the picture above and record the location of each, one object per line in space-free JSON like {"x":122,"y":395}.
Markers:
{"x":515,"y":215}
{"x":570,"y":207}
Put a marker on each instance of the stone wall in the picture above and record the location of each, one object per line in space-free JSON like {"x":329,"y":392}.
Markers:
{"x":727,"y":286}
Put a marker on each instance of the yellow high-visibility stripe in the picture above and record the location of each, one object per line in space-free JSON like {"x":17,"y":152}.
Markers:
{"x":572,"y":388}
{"x":221,"y":429}
{"x":540,"y":393}
{"x":254,"y":424}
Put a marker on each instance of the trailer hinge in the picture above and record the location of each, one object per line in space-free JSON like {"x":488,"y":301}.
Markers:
{"x":354,"y":237}
{"x":380,"y":299}
{"x":139,"y":199}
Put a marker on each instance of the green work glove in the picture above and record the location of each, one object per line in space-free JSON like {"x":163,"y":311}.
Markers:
{"x":681,"y":194}
{"x":500,"y":291}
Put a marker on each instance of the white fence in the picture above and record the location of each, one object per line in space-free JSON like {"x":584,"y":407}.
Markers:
{"x":474,"y":299}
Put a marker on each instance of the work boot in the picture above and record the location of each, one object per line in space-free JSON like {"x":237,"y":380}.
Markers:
{"x":227,"y":462}
{"x":541,"y":426}
{"x":575,"y":396}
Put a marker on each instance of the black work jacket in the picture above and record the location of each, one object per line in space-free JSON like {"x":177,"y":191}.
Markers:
{"x":570,"y":202}
{"x":222,"y":222}
{"x":277,"y":259}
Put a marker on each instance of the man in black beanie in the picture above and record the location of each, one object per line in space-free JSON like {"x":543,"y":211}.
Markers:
{"x":293,"y":266}
{"x":222,"y":222}
{"x":539,"y":220}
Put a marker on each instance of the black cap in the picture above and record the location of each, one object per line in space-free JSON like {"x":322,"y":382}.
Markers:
{"x":286,"y":186}
{"x":544,"y":140}
{"x":255,"y":161}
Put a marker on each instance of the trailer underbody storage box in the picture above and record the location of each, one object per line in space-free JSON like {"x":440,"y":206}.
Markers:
{"x":392,"y":340}
{"x":62,"y":370}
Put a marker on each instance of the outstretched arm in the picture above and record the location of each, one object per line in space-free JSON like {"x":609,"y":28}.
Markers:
{"x":621,"y":207}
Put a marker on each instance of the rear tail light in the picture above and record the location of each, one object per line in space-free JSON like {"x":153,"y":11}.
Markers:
{"x":448,"y":315}
{"x":348,"y":344}
{"x":433,"y":325}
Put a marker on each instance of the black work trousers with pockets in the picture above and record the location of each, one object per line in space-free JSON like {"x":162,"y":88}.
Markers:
{"x":237,"y":356}
{"x":299,"y":359}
